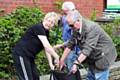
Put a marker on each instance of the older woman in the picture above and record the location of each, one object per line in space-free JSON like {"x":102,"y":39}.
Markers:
{"x":33,"y":41}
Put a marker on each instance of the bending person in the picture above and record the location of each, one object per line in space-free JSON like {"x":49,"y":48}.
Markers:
{"x":33,"y":41}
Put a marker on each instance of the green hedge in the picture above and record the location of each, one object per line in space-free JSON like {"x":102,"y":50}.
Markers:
{"x":112,"y":29}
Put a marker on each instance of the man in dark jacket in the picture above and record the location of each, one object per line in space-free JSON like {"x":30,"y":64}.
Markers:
{"x":95,"y":44}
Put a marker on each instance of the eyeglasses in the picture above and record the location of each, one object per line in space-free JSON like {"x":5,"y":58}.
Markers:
{"x":71,"y":25}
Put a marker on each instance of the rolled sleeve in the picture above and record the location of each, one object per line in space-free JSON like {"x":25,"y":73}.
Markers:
{"x":86,"y":51}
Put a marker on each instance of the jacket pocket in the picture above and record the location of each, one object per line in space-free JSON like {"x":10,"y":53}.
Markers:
{"x":102,"y":63}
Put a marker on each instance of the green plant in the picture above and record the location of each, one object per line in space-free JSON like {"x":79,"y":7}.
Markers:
{"x":58,"y":5}
{"x":117,"y":21}
{"x":116,"y":33}
{"x":108,"y":28}
{"x":116,"y":40}
{"x":94,"y":14}
{"x":56,"y":35}
{"x":111,"y":29}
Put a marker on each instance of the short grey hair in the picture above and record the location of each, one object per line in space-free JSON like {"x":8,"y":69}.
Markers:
{"x":75,"y":15}
{"x":68,"y":5}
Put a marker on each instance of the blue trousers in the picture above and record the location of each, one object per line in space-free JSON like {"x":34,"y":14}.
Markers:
{"x":70,"y":59}
{"x":103,"y":75}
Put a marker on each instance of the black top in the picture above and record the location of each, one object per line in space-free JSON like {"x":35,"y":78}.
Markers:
{"x":30,"y":44}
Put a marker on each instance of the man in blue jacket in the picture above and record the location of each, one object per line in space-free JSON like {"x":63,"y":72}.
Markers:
{"x":67,"y":7}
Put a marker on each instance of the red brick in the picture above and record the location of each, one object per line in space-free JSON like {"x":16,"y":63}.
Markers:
{"x":84,"y":6}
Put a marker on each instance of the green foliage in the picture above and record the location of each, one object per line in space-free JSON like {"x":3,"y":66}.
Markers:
{"x":42,"y":63}
{"x":94,"y":14}
{"x":111,"y":29}
{"x":108,"y":28}
{"x":117,"y":21}
{"x":12,"y":27}
{"x":56,"y":36}
{"x":116,"y":35}
{"x":58,"y":5}
{"x":116,"y":40}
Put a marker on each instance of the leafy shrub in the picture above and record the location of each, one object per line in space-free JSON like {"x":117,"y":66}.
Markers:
{"x":116,"y":40}
{"x":116,"y":35}
{"x":112,"y":29}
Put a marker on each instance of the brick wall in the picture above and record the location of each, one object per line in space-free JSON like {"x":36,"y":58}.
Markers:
{"x":86,"y":7}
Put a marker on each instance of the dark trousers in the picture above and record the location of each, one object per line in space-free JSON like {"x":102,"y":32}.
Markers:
{"x":25,"y":67}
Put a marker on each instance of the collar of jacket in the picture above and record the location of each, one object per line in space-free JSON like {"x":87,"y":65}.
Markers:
{"x":82,"y":28}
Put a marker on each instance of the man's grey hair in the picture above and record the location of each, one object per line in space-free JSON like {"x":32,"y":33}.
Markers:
{"x":68,"y":5}
{"x":75,"y":15}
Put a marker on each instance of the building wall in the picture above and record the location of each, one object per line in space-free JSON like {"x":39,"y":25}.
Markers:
{"x":86,"y":7}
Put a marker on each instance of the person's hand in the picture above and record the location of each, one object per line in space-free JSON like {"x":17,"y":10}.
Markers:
{"x":62,"y":64}
{"x":57,"y":46}
{"x":52,"y":67}
{"x":74,"y":68}
{"x":56,"y":61}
